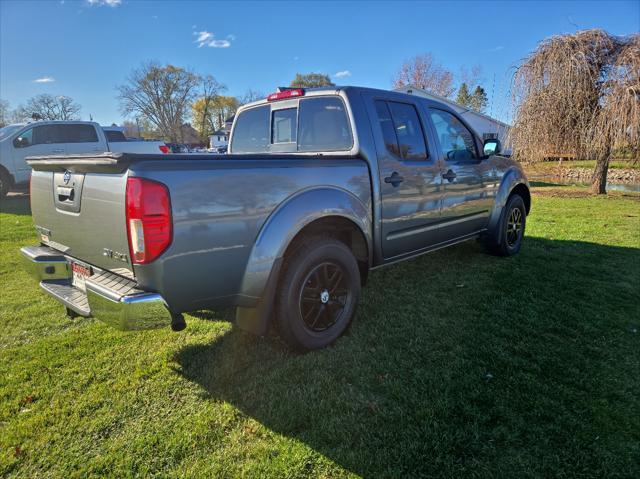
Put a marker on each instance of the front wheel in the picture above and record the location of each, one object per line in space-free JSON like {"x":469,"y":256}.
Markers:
{"x":507,"y":240}
{"x":318,"y":293}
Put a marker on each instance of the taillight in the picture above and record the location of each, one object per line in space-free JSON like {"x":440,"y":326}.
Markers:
{"x":164,"y":148}
{"x":281,"y":95}
{"x":148,"y":219}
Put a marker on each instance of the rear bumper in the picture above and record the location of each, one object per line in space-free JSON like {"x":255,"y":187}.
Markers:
{"x":111,"y":298}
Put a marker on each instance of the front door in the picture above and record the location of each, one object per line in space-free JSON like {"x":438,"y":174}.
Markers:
{"x":37,"y":140}
{"x":410,"y":182}
{"x":466,"y":178}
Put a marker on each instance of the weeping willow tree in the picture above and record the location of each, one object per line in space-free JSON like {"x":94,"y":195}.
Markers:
{"x":579,"y":94}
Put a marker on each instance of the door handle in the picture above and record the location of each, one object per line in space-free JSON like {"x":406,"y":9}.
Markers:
{"x":449,"y":175}
{"x":57,"y":150}
{"x":65,"y":193}
{"x":395,"y":179}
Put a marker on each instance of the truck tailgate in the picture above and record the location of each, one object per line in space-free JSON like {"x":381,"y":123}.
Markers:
{"x":79,"y":209}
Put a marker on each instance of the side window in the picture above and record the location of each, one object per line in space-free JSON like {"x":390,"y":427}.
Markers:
{"x":284,"y":125}
{"x":386,"y":124}
{"x":24,"y":139}
{"x":456,"y":140}
{"x":251,"y":130}
{"x":78,"y":133}
{"x":401,"y":130}
{"x":46,"y":134}
{"x":409,"y":131}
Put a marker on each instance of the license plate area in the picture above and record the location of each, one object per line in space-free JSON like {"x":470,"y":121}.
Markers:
{"x":80,"y":274}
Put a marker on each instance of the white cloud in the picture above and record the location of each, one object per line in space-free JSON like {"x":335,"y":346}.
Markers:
{"x":100,"y":3}
{"x":44,"y":80}
{"x":206,"y":39}
{"x":343,"y":74}
{"x":496,"y":49}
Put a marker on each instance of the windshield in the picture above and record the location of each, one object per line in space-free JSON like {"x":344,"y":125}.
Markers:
{"x":9,"y":130}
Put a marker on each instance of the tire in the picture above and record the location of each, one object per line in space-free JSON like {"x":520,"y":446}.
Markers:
{"x":318,"y":293}
{"x":5,"y":183}
{"x":507,"y":239}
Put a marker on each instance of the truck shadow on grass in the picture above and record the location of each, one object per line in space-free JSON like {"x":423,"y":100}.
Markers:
{"x":459,"y":363}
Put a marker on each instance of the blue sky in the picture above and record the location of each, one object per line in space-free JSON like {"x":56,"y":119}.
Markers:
{"x":84,"y":49}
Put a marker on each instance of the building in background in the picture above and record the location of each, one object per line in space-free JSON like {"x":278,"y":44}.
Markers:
{"x":219,"y":139}
{"x":485,"y":126}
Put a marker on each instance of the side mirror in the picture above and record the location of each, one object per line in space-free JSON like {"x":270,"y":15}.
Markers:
{"x":491,"y":147}
{"x":21,"y":142}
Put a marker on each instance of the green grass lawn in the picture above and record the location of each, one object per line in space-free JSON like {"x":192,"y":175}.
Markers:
{"x":458,"y":364}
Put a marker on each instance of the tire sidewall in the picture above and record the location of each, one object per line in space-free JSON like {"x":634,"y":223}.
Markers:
{"x":515,"y":201}
{"x":303,"y":261}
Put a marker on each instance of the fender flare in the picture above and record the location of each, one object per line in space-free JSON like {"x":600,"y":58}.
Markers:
{"x":292,"y":216}
{"x":510,"y":180}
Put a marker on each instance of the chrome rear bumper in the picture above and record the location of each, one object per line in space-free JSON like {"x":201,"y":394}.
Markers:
{"x":111,"y":298}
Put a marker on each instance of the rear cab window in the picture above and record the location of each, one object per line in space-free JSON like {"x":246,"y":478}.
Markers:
{"x":306,"y":125}
{"x":115,"y":136}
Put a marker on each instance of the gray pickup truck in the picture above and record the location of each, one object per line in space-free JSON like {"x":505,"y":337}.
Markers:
{"x":320,"y":186}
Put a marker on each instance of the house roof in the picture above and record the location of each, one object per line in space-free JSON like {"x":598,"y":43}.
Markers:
{"x":451,"y":103}
{"x":219,"y":133}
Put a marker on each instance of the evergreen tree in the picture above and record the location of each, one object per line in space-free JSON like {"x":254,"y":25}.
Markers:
{"x":478,"y":100}
{"x":464,"y":98}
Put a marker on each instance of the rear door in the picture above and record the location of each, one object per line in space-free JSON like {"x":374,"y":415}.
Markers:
{"x":409,"y":175}
{"x":466,"y":178}
{"x":82,"y":138}
{"x":37,"y":140}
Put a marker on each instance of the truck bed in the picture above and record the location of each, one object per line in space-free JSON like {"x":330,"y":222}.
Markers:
{"x":219,"y":205}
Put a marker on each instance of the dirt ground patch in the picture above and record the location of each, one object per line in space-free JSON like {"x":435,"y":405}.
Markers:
{"x":578,"y":192}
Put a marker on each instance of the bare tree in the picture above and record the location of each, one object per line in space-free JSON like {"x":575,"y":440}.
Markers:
{"x":424,"y":72}
{"x":578,"y":94}
{"x":49,"y":107}
{"x":249,"y":96}
{"x":161,"y":94}
{"x":4,"y":113}
{"x":202,"y":108}
{"x":131,"y":129}
{"x":471,"y":76}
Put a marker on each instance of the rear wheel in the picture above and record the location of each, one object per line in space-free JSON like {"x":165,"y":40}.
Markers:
{"x":507,"y":239}
{"x":318,"y":293}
